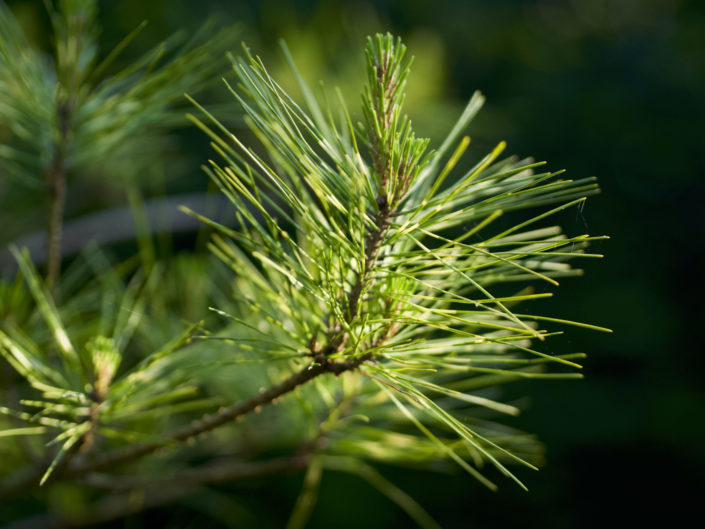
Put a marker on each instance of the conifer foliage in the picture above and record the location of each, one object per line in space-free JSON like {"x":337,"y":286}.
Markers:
{"x":361,"y":321}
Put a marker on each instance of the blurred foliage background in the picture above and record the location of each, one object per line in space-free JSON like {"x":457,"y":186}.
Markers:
{"x":611,"y":88}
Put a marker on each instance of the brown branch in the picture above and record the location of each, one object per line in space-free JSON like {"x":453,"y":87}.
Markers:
{"x":168,"y":487}
{"x":372,"y":242}
{"x":211,"y":421}
{"x":29,"y":476}
{"x":381,"y":159}
{"x":56,"y":181}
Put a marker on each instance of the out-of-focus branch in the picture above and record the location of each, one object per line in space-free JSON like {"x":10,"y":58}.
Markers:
{"x":218,"y":471}
{"x":56,"y":181}
{"x":117,"y":225}
{"x":133,"y":494}
{"x":212,"y":421}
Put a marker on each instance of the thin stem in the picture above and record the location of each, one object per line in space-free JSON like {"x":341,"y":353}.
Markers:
{"x":30,"y":476}
{"x":57,"y":200}
{"x":381,"y":160}
{"x":211,"y":421}
{"x":56,"y":181}
{"x":373,"y":243}
{"x":134,"y":494}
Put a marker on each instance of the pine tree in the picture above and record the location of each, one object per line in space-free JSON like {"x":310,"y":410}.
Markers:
{"x":358,"y":323}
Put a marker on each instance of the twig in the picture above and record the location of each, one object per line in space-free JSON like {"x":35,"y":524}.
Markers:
{"x":218,"y":471}
{"x":211,"y":421}
{"x":373,"y":243}
{"x":131,"y":494}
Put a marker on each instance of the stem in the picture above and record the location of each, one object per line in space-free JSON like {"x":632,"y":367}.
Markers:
{"x":381,"y":146}
{"x":381,"y":159}
{"x":56,"y":182}
{"x":374,"y":241}
{"x":57,"y":199}
{"x":169,"y":487}
{"x":211,"y":421}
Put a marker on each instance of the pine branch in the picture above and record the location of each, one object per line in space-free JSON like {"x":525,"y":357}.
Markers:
{"x":211,"y":421}
{"x":375,"y":260}
{"x":350,"y":261}
{"x":28,"y":478}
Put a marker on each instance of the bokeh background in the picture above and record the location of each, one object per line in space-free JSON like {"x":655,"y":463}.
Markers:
{"x":612,"y":88}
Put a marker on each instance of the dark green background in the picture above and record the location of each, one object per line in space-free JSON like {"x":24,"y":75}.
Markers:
{"x":612,"y":88}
